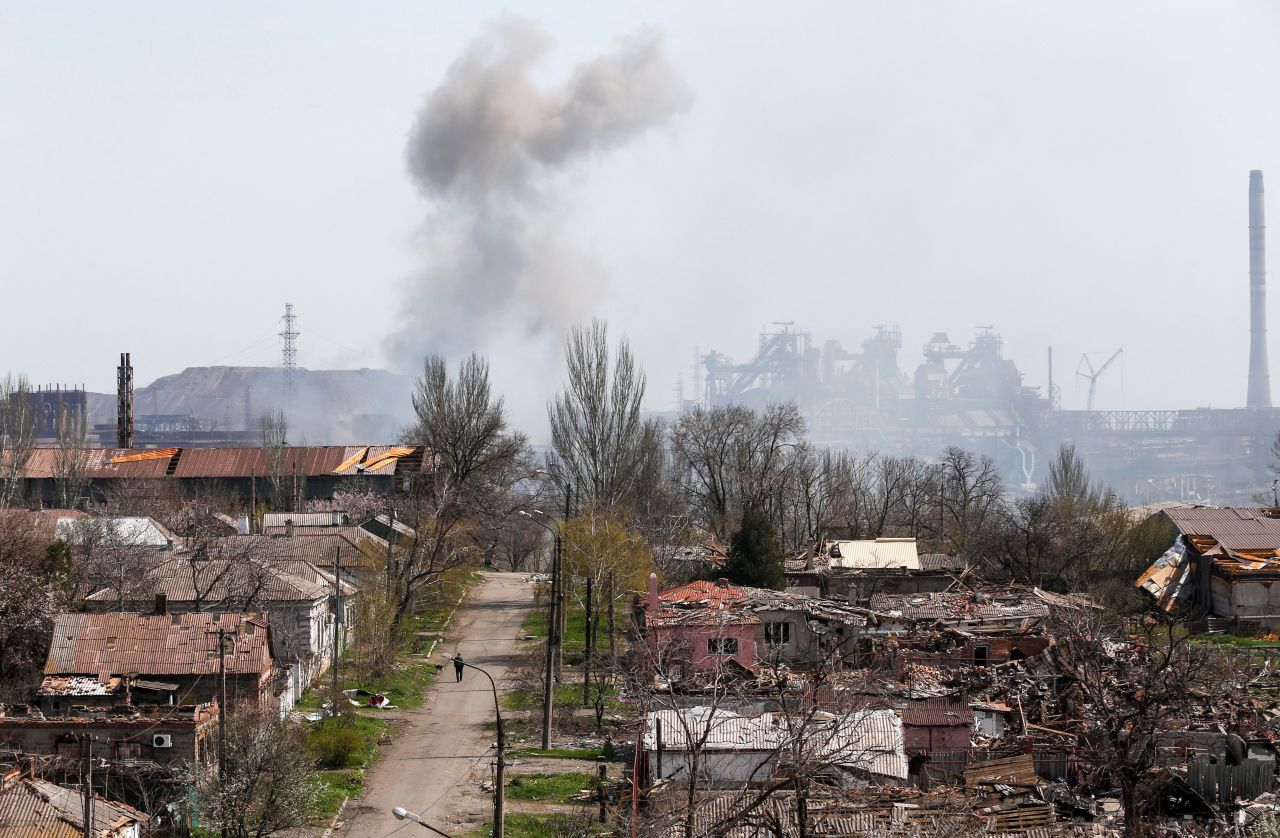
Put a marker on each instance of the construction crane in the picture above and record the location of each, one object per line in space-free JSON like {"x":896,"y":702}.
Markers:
{"x":1092,"y":374}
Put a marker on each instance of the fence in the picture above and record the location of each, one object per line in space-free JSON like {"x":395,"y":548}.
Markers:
{"x":1220,"y":783}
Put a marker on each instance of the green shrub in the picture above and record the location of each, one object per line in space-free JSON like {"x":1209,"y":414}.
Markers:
{"x":334,"y":747}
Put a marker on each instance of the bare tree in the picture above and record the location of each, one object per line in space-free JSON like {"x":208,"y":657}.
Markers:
{"x":1137,"y":683}
{"x":460,"y":421}
{"x":804,"y":743}
{"x":469,"y":488}
{"x":275,"y":444}
{"x":602,"y":445}
{"x":71,"y":459}
{"x":729,"y":458}
{"x":17,"y":437}
{"x":267,"y":785}
{"x":971,"y":493}
{"x":109,"y":554}
{"x":30,"y":586}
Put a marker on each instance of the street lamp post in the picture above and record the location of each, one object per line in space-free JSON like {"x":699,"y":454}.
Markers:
{"x":500,"y":782}
{"x":553,"y":632}
{"x":403,"y":814}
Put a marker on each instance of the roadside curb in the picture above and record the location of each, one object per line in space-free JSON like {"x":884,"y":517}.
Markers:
{"x":334,"y":823}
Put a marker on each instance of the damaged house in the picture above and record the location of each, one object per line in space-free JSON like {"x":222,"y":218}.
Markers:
{"x":97,"y":661}
{"x":714,"y":623}
{"x":1221,"y":568}
{"x":856,"y":571}
{"x":251,"y":573}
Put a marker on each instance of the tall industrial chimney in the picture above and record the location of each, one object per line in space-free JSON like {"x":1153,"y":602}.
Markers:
{"x":124,"y":401}
{"x":1259,"y":377}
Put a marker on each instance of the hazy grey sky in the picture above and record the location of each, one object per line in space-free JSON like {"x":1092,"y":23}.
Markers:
{"x":1072,"y":174}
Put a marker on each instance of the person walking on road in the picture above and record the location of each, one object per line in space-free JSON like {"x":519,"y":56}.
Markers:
{"x":458,"y":663}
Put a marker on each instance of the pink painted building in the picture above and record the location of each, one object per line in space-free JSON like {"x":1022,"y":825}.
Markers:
{"x":701,"y":625}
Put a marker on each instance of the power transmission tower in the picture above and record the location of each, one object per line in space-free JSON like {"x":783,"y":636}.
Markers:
{"x":290,"y":335}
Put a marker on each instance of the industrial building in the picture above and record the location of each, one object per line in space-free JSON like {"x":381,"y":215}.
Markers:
{"x":970,"y":395}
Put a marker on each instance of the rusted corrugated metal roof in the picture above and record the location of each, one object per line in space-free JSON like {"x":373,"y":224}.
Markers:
{"x":144,"y":644}
{"x":1233,"y":528}
{"x":954,"y":716}
{"x":46,"y":463}
{"x":303,"y":460}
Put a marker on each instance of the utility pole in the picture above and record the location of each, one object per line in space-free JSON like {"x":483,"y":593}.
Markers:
{"x":564,"y":577}
{"x":500,"y":785}
{"x":337,"y":621}
{"x":88,"y":787}
{"x":222,"y":715}
{"x":548,"y":696}
{"x":391,"y":534}
{"x":603,"y":772}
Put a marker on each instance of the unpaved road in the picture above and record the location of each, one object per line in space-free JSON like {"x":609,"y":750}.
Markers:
{"x":437,"y":750}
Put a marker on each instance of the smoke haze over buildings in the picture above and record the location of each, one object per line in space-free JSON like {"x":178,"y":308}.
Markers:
{"x":1067,"y":173}
{"x":489,"y":150}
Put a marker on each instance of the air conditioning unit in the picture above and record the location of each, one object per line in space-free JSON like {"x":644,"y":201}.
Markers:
{"x":161,"y":740}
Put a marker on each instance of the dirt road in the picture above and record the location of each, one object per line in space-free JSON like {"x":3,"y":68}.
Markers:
{"x":440,"y":746}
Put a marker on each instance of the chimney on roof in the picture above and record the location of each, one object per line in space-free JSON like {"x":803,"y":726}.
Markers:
{"x":722,"y":582}
{"x":162,"y":605}
{"x":653,"y":592}
{"x":288,"y":528}
{"x":1259,"y":377}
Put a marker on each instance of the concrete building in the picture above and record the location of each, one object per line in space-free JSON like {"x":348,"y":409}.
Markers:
{"x":161,"y":734}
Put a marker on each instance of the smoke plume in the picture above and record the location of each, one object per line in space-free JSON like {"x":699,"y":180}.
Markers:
{"x":487,"y":150}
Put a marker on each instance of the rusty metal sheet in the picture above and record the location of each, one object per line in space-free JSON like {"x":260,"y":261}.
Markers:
{"x":304,"y":461}
{"x":384,"y":460}
{"x":352,"y":460}
{"x":178,"y":644}
{"x":153,"y":454}
{"x":1236,"y":529}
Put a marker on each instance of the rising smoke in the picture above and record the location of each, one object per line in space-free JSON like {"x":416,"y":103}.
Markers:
{"x":487,"y":149}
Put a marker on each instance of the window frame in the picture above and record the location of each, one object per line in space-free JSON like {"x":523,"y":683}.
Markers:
{"x":725,"y":647}
{"x":771,"y":629}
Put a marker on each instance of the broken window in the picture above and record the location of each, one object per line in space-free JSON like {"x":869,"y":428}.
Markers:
{"x":722,"y":645}
{"x":777,"y":634}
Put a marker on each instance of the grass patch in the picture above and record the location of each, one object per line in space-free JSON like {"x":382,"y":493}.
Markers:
{"x":551,"y":825}
{"x":1242,"y":642}
{"x":535,"y":623}
{"x":369,"y":729}
{"x":404,"y":687}
{"x":557,"y":753}
{"x":567,"y":696}
{"x":548,"y":788}
{"x":335,"y":787}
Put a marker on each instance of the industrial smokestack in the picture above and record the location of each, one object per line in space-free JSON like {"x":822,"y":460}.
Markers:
{"x":124,"y":402}
{"x":1259,"y":377}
